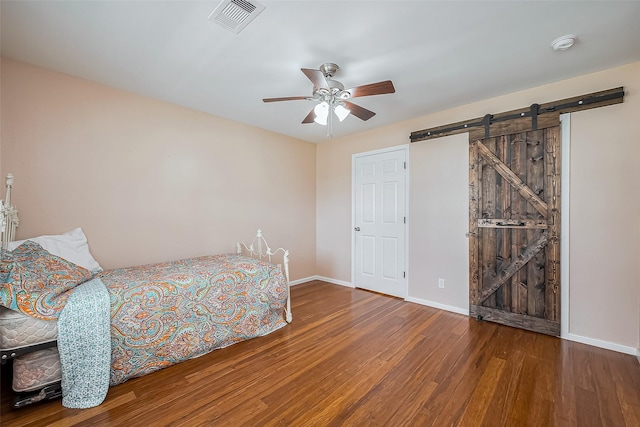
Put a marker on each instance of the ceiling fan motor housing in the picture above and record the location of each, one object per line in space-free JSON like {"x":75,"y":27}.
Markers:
{"x":335,"y":89}
{"x":329,"y":69}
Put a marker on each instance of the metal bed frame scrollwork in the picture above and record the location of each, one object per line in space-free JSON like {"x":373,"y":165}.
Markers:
{"x":8,"y":218}
{"x":260,"y":253}
{"x":8,"y":223}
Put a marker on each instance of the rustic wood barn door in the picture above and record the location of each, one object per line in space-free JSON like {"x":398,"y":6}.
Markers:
{"x":514,"y":225}
{"x":514,"y":205}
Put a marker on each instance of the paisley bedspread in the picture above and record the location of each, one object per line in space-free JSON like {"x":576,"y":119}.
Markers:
{"x":162,"y":314}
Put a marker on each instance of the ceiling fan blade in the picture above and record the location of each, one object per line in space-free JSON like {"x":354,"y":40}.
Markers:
{"x":358,"y":111}
{"x":310,"y":117}
{"x":286,"y":98}
{"x":379,"y":88}
{"x":316,"y":77}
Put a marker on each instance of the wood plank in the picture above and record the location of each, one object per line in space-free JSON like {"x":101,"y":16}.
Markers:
{"x":517,"y":125}
{"x":499,"y":408}
{"x":610,"y":409}
{"x":567,"y":105}
{"x":80,"y":415}
{"x":503,"y":235}
{"x":528,"y":409}
{"x":589,"y":413}
{"x":440,"y":370}
{"x":483,"y":393}
{"x":513,"y":179}
{"x":488,"y":237}
{"x":583,"y":102}
{"x":512,"y":223}
{"x":530,"y":323}
{"x":536,"y":154}
{"x":457,"y":378}
{"x":474,"y":209}
{"x":519,"y":209}
{"x":523,"y":258}
{"x":553,"y":195}
{"x":626,"y":392}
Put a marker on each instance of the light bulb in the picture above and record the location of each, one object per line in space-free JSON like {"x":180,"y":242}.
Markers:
{"x":341,"y":111}
{"x":322,"y":112}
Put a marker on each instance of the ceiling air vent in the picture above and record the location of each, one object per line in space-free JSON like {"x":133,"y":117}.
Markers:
{"x":234,"y":15}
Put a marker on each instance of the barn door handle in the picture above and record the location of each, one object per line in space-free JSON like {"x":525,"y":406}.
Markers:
{"x":357,"y":228}
{"x":502,"y":224}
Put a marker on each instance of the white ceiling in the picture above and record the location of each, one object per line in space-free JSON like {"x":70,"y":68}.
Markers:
{"x":439,"y":54}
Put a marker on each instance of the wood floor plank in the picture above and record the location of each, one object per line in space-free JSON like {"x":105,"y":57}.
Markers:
{"x":499,"y":407}
{"x":589,"y":412}
{"x":353,"y":357}
{"x":477,"y":407}
{"x":627,"y":391}
{"x":607,"y":397}
{"x":82,"y":415}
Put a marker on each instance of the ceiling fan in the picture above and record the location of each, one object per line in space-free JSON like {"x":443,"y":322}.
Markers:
{"x":333,"y":97}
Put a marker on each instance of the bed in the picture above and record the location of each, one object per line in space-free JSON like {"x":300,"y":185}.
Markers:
{"x":73,"y":329}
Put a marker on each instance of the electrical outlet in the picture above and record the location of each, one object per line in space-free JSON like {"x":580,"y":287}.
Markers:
{"x":441,"y":283}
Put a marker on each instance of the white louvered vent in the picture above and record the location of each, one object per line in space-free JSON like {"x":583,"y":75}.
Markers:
{"x":234,"y":15}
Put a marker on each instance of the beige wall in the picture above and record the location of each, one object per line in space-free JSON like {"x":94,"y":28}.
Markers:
{"x":146,"y":180}
{"x":151,"y":181}
{"x":439,"y":221}
{"x":605,"y":207}
{"x":605,"y":219}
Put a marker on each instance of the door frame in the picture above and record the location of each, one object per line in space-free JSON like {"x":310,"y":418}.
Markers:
{"x":565,"y":187}
{"x":405,"y":148}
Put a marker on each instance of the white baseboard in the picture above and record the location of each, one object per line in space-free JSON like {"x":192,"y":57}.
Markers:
{"x":324,"y":279}
{"x":638,"y":354}
{"x":437,"y":305}
{"x":301,"y":281}
{"x":603,"y":344}
{"x":334,"y":281}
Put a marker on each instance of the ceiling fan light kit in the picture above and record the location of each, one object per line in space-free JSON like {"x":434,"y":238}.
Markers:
{"x":331,"y":96}
{"x":341,"y":111}
{"x":322,"y":113}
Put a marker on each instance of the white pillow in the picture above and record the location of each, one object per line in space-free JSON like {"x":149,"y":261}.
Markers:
{"x":71,"y":246}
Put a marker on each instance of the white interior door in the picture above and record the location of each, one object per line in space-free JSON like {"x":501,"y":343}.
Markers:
{"x":379,"y":221}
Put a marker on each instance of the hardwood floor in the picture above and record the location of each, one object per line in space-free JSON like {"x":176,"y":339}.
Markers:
{"x":352,"y":357}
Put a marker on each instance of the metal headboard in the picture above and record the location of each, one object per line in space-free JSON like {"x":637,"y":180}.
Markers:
{"x":8,"y":218}
{"x":263,"y":251}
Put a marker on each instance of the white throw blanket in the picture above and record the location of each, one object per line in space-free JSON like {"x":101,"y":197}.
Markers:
{"x":84,"y":344}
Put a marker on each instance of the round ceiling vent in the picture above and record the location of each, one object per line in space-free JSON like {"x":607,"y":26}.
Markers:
{"x":564,"y":42}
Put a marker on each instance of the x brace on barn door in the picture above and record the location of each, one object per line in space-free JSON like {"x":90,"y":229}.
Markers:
{"x":512,"y":178}
{"x":530,"y":251}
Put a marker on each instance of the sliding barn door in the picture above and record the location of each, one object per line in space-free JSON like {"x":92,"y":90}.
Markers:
{"x":514,"y":226}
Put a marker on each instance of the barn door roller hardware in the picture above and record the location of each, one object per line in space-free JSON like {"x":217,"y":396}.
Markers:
{"x":534,"y":116}
{"x":578,"y":103}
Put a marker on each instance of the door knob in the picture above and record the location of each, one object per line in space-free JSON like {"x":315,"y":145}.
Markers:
{"x":357,"y":228}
